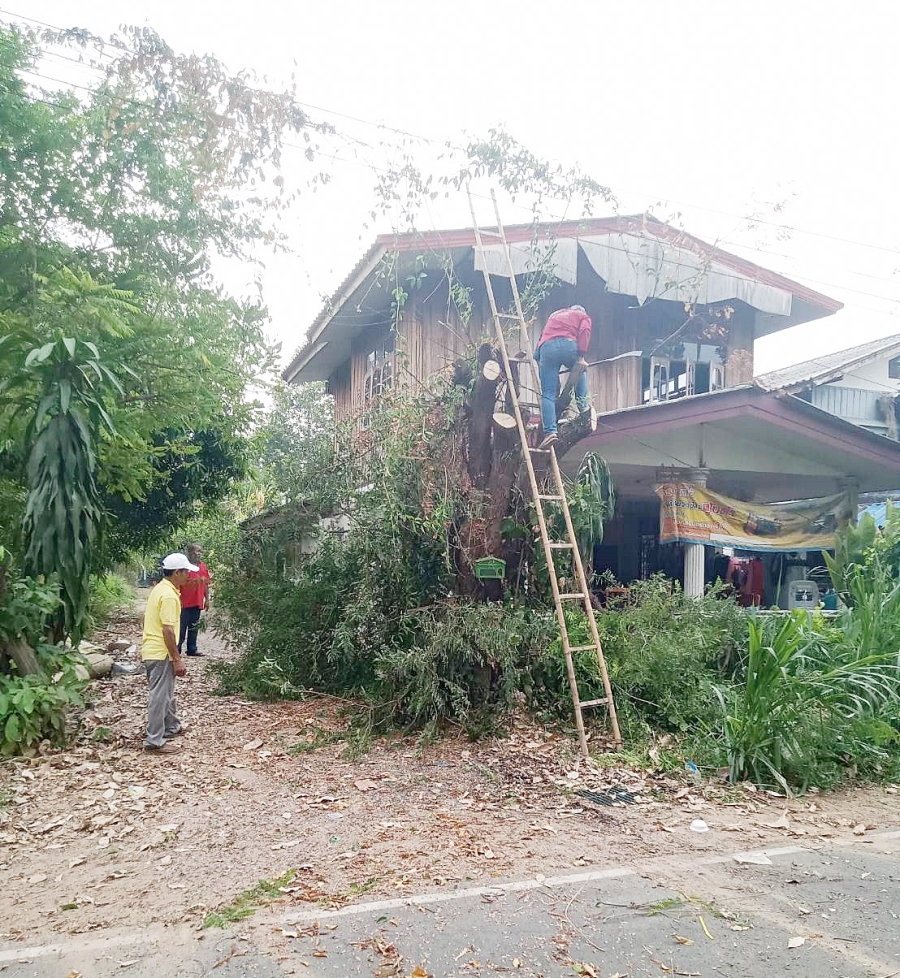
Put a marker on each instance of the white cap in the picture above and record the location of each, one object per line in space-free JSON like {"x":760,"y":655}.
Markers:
{"x":579,"y":309}
{"x":178,"y":562}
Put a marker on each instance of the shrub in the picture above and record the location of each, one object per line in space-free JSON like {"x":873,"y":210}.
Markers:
{"x":34,"y":708}
{"x":109,"y":593}
{"x":460,"y":661}
{"x":666,"y":652}
{"x":809,"y":706}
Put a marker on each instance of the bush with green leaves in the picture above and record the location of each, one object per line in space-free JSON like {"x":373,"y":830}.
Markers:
{"x":463,"y":661}
{"x":35,"y":708}
{"x":666,"y":651}
{"x":108,"y":593}
{"x":811,"y":707}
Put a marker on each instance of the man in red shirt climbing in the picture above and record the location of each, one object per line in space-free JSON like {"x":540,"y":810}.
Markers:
{"x":563,"y":343}
{"x":194,"y":599}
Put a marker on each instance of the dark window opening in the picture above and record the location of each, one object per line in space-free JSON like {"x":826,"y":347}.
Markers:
{"x":699,"y":371}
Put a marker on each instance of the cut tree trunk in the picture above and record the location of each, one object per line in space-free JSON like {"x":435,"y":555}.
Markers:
{"x":497,"y":472}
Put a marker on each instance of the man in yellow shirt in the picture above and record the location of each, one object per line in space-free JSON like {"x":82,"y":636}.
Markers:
{"x":160,"y":655}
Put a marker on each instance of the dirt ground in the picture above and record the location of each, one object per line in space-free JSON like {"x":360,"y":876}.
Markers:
{"x":101,"y":835}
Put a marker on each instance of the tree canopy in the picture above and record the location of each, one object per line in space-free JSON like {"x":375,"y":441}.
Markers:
{"x":126,"y":372}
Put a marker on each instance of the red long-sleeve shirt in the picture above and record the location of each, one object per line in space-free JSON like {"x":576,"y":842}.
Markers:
{"x":571,"y":324}
{"x":195,"y":588}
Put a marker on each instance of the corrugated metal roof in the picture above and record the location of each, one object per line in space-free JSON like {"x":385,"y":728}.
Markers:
{"x":820,"y":370}
{"x":641,"y":224}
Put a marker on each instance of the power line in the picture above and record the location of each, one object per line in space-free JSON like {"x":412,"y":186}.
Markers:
{"x":448,"y":144}
{"x":375,"y":168}
{"x":418,"y":136}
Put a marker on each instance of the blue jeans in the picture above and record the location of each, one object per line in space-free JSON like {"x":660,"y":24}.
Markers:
{"x":556,"y":353}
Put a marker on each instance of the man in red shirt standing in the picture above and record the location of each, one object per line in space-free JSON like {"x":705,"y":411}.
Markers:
{"x":194,"y":599}
{"x":563,"y":343}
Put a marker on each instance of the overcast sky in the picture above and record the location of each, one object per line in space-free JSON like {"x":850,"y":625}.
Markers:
{"x":714,"y":110}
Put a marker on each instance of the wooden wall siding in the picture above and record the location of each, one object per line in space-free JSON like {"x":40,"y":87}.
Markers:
{"x":615,"y":385}
{"x":429,"y":338}
{"x":739,"y":364}
{"x":340,"y":388}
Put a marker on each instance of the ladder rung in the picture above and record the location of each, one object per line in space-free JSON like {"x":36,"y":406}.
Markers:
{"x":507,"y":315}
{"x":571,"y":597}
{"x":583,"y":648}
{"x":602,"y":702}
{"x":490,"y":234}
{"x":544,"y":496}
{"x":561,"y":546}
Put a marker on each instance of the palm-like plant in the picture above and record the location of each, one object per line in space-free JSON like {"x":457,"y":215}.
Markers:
{"x":804,"y":689}
{"x":59,"y":388}
{"x":63,"y":514}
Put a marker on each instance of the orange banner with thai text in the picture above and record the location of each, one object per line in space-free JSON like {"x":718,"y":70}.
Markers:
{"x":694,"y":514}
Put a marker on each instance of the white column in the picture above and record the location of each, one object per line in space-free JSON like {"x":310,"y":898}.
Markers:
{"x":694,"y":563}
{"x":695,"y":553}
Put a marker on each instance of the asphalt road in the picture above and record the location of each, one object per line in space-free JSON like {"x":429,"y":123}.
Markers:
{"x":816,"y":911}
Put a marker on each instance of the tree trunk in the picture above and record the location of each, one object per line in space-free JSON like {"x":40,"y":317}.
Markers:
{"x":23,"y":655}
{"x":495,"y":467}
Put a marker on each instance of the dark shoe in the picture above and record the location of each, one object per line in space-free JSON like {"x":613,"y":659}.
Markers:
{"x":166,"y":748}
{"x":178,"y":733}
{"x":196,"y":655}
{"x":549,"y":440}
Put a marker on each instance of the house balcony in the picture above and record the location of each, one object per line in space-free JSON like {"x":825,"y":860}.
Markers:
{"x":632,"y":379}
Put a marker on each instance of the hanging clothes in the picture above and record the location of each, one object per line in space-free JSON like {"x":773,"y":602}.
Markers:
{"x":745,"y":575}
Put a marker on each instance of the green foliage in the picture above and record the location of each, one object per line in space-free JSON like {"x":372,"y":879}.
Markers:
{"x":123,"y":368}
{"x":810,"y":704}
{"x":25,"y":606}
{"x":295,"y":447}
{"x":63,"y":516}
{"x":851,"y":547}
{"x":371,"y":613}
{"x":33,"y":709}
{"x":666,"y":651}
{"x":459,"y":661}
{"x":108,"y":593}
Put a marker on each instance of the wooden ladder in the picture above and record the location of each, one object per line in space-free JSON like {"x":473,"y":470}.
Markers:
{"x":558,"y":495}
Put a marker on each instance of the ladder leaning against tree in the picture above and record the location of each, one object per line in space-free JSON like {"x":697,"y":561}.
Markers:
{"x":558,"y":495}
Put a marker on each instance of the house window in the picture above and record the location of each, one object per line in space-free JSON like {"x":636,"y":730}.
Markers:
{"x":379,"y":375}
{"x":894,"y":368}
{"x":698,"y":371}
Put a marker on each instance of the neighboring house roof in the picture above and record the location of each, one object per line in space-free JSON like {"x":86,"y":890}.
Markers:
{"x":831,"y":366}
{"x":658,"y":248}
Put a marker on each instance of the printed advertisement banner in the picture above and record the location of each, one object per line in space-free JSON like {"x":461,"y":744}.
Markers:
{"x":693,"y":514}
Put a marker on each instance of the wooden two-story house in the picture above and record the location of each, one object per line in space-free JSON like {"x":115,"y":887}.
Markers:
{"x":671,"y":376}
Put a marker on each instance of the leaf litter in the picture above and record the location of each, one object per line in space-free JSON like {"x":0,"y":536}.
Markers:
{"x":186,"y":831}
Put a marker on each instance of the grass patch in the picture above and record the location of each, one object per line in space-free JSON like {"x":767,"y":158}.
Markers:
{"x":247,"y":903}
{"x":352,"y":891}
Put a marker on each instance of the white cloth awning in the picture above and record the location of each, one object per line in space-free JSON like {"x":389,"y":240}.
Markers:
{"x":559,"y":256}
{"x":651,"y":269}
{"x":642,"y":266}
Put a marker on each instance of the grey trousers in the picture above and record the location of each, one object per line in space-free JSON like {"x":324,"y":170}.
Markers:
{"x":162,"y":721}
